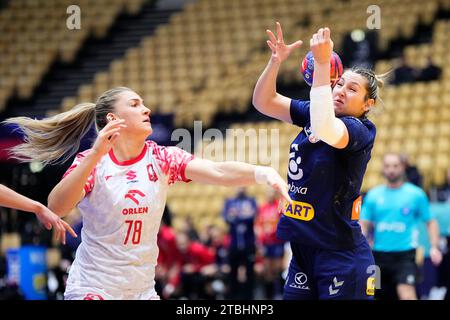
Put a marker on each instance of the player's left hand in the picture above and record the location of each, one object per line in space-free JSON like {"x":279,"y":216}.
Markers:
{"x":435,"y":256}
{"x":322,"y":46}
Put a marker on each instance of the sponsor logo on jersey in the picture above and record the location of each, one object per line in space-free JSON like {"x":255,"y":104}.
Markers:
{"x":131,"y":175}
{"x":406,"y":211}
{"x":300,"y":211}
{"x":300,"y":280}
{"x":311,"y":136}
{"x":93,"y":296}
{"x":356,"y":209}
{"x":140,"y":210}
{"x":152,"y":176}
{"x":294,"y":171}
{"x":335,"y":287}
{"x":397,"y":227}
{"x":299,"y":190}
{"x":131,"y":195}
{"x":370,"y":289}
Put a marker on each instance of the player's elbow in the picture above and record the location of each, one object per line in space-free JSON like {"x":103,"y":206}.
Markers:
{"x":322,"y":131}
{"x":330,"y":132}
{"x":262,"y":103}
{"x":258,"y":103}
{"x":56,"y":205}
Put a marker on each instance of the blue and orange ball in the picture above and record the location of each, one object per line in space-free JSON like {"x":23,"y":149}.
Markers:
{"x":336,"y":68}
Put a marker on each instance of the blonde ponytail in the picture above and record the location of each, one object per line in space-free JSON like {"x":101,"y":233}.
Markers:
{"x":54,"y":139}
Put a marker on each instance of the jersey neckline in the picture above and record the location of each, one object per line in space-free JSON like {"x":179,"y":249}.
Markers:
{"x":128,"y":162}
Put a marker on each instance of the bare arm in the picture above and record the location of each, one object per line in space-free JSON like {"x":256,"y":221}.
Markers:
{"x":324,"y":123}
{"x":70,"y":190}
{"x":11,"y":199}
{"x":433,"y":233}
{"x":265,"y":97}
{"x":233,"y":173}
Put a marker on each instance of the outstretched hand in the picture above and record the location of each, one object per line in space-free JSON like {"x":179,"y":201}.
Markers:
{"x":280,"y":50}
{"x":321,"y":46}
{"x":51,"y":220}
{"x":108,"y":136}
{"x":271,"y":177}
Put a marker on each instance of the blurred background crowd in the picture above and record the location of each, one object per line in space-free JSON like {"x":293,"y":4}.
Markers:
{"x":199,"y":60}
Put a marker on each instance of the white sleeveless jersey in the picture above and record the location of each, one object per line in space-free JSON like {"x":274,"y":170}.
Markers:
{"x":121,"y":213}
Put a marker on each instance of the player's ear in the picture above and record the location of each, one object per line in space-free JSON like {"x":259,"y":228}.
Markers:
{"x":369,"y":104}
{"x":110,"y":117}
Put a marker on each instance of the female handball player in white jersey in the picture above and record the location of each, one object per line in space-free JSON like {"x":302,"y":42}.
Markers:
{"x":330,"y":256}
{"x":120,"y":187}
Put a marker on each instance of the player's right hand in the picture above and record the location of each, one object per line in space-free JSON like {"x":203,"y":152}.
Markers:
{"x":107,"y":137}
{"x":280,"y":50}
{"x":50,"y":220}
{"x":322,"y":46}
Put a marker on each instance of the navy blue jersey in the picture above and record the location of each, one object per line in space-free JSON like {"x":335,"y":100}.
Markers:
{"x":240,"y":213}
{"x":324,"y":184}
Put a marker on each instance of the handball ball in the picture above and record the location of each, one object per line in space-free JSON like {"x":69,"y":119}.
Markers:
{"x":336,"y":68}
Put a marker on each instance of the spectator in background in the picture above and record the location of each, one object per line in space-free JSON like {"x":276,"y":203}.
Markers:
{"x":189,"y":229}
{"x":394,"y":210}
{"x":240,"y":213}
{"x":218,"y":240}
{"x":404,"y":73}
{"x":430,"y":72}
{"x":167,"y":272}
{"x":272,"y":248}
{"x":411,"y":171}
{"x":196,"y":267}
{"x":443,"y":191}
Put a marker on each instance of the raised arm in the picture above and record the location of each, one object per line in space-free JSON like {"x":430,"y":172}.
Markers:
{"x":70,"y":190}
{"x":233,"y":173}
{"x":265,"y":97}
{"x":324,"y":123}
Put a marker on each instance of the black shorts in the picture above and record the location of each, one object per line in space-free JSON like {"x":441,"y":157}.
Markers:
{"x":395,"y":268}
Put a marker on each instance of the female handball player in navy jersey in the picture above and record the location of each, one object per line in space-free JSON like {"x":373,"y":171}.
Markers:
{"x":331,"y":258}
{"x":120,"y":187}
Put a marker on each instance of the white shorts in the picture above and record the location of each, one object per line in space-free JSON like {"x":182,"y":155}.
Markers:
{"x":91,"y":293}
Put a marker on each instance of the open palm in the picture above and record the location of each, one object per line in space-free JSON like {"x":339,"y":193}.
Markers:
{"x":280,"y":50}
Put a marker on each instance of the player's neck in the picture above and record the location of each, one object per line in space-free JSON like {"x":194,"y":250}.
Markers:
{"x":395,"y":185}
{"x":127,"y":150}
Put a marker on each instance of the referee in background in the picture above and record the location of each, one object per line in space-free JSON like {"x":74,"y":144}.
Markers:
{"x":391,"y":214}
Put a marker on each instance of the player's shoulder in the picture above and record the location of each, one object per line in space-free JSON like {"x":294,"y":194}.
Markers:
{"x":152,"y":145}
{"x":81,"y":155}
{"x":156,"y":150}
{"x":376,"y":191}
{"x":362,"y":128}
{"x":414,"y":190}
{"x":84,"y":153}
{"x":361,"y":122}
{"x":300,"y":103}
